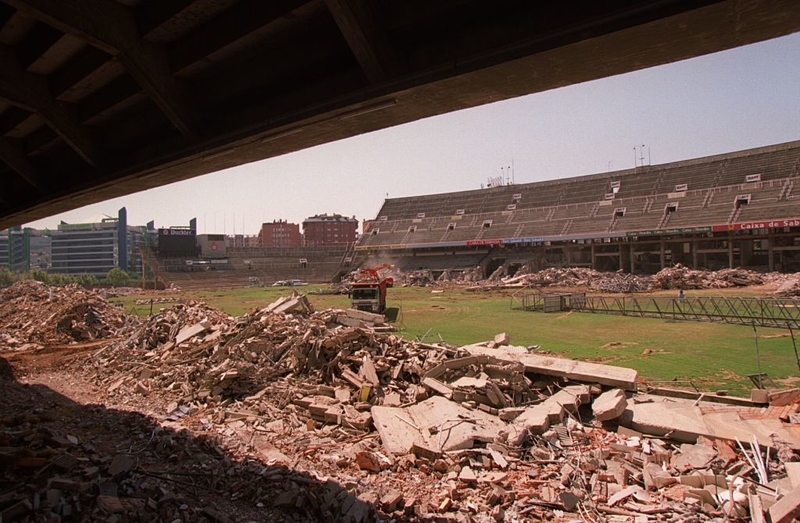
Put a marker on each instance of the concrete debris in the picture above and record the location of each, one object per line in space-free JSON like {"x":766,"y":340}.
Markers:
{"x":790,"y":287}
{"x":681,"y":277}
{"x":561,"y":367}
{"x":609,"y":405}
{"x":304,"y":414}
{"x":675,"y":277}
{"x":686,"y":420}
{"x":33,"y":313}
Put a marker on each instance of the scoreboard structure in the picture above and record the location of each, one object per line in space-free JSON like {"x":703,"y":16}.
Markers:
{"x":177,"y":241}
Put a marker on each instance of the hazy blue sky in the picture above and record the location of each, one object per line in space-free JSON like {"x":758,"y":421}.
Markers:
{"x":746,"y":97}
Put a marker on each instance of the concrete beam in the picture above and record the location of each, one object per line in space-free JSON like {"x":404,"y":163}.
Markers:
{"x":111,"y":27}
{"x":574,"y":370}
{"x":356,"y":22}
{"x":12,"y":155}
{"x":30,"y":92}
{"x":235,"y":24}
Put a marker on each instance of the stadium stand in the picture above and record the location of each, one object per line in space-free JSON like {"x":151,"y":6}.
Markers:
{"x":250,"y":267}
{"x":723,"y":196}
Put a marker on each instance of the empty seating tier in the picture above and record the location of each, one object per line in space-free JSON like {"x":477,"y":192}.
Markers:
{"x":747,"y":185}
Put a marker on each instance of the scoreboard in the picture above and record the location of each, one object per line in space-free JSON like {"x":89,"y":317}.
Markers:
{"x":177,"y":242}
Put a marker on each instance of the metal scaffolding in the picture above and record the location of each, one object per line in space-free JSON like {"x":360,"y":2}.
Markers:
{"x":763,"y":312}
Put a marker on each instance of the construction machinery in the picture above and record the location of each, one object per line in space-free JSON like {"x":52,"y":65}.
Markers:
{"x":368,"y":290}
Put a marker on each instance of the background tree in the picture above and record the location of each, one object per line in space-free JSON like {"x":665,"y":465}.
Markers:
{"x":117,"y":276}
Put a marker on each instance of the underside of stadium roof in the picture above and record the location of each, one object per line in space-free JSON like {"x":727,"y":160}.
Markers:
{"x":755,"y":190}
{"x":101,"y":98}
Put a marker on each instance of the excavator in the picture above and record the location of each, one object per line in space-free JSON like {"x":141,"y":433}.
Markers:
{"x":368,"y":291}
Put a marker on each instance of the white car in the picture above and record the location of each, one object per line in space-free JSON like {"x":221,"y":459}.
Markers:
{"x":289,"y":283}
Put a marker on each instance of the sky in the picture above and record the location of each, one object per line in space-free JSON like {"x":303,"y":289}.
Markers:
{"x":737,"y":99}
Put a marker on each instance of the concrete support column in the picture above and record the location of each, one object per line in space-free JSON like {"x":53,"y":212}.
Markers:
{"x":594,"y":259}
{"x":631,"y":251}
{"x":770,"y":256}
{"x":663,"y":254}
{"x":621,"y":265}
{"x":746,"y":252}
{"x":695,"y":255}
{"x":730,"y":253}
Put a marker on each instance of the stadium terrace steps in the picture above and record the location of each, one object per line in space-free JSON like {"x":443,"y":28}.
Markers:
{"x":578,"y":210}
{"x":441,"y":262}
{"x":579,"y":205}
{"x":774,"y":211}
{"x":530,"y":215}
{"x":770,"y":165}
{"x":583,"y":192}
{"x":263,"y":265}
{"x":634,"y":221}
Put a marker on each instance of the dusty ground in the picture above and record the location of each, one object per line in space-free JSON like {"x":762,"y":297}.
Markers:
{"x":41,"y":393}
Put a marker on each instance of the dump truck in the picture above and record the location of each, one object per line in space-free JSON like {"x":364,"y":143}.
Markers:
{"x":368,"y":291}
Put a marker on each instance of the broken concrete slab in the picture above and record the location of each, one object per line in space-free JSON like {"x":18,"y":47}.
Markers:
{"x":702,"y":396}
{"x":609,"y":405}
{"x":289,"y":303}
{"x":501,"y":339}
{"x":436,"y":423}
{"x":538,"y":418}
{"x":787,"y":508}
{"x":793,"y":471}
{"x":562,"y":367}
{"x":781,"y":398}
{"x":192,"y":331}
{"x":368,"y":317}
{"x":437,"y":386}
{"x":684,"y":421}
{"x":693,"y":457}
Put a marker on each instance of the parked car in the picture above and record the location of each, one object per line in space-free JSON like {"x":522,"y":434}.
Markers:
{"x":289,"y":283}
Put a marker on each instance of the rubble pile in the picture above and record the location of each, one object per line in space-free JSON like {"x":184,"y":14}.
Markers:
{"x":293,"y":414}
{"x":617,"y":282}
{"x":789,"y":287}
{"x":34,"y":313}
{"x":195,"y":354}
{"x":614,"y":282}
{"x":163,"y":327}
{"x":679,"y":276}
{"x":488,"y":432}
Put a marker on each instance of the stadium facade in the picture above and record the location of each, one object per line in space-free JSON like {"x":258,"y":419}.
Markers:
{"x":739,"y":209}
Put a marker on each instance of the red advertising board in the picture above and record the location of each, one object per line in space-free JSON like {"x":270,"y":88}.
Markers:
{"x":496,"y":241}
{"x":762,"y":224}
